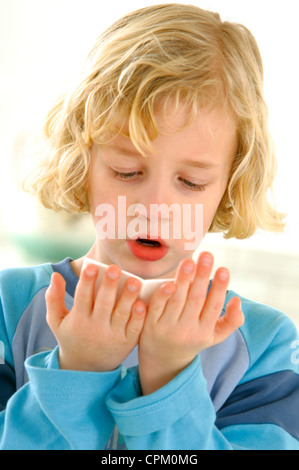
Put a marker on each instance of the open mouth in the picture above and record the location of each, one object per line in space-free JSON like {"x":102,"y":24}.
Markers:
{"x":147,"y":249}
{"x":146,"y":242}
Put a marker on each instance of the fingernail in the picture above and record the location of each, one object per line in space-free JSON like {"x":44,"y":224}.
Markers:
{"x":188,"y":268}
{"x":91,"y":270}
{"x":223,"y":275}
{"x":206,"y":260}
{"x":132,"y":287}
{"x":168,"y":288}
{"x":139,"y":309}
{"x":52,"y":282}
{"x":113,"y":274}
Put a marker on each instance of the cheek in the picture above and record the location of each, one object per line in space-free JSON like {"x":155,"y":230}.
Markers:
{"x":99,"y":192}
{"x":211,"y":205}
{"x":109,"y":214}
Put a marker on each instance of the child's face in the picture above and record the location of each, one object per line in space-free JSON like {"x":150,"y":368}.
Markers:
{"x":199,"y":155}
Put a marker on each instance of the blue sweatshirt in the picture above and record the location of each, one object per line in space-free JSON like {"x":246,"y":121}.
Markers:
{"x":240,"y":394}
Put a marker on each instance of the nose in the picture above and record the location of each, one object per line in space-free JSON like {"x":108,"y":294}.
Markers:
{"x":157,"y":198}
{"x":156,"y":209}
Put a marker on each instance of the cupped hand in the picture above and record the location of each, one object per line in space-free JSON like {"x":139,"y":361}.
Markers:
{"x":96,"y":334}
{"x":183,"y":318}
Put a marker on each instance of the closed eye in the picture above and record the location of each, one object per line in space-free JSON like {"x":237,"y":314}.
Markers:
{"x":124,"y":176}
{"x":193,"y":186}
{"x":188,"y":184}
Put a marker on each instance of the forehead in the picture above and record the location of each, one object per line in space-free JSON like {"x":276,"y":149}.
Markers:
{"x":207,"y":123}
{"x":211,"y":135}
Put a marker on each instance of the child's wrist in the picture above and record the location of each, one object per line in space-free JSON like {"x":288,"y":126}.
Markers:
{"x":153,"y":376}
{"x":67,"y":362}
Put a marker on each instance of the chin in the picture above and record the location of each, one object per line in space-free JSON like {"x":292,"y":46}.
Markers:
{"x":148,"y":269}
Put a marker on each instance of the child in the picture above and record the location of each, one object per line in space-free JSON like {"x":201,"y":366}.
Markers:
{"x":169,"y":110}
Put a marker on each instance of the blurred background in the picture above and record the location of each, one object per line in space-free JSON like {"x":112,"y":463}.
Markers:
{"x":43,"y":44}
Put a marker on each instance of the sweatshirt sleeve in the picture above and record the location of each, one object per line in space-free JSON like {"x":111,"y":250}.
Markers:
{"x":51,"y":408}
{"x":178,"y":416}
{"x":260,"y":413}
{"x":58,"y":409}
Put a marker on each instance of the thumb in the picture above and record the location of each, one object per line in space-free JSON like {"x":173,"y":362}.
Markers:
{"x":230,"y":321}
{"x":56,"y":309}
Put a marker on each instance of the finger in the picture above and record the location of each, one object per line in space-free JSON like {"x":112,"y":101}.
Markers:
{"x":136,"y":321}
{"x":230,"y":322}
{"x":106,"y":296}
{"x":198,"y":290}
{"x":215,"y":300}
{"x":122,"y":310}
{"x":56,"y":309}
{"x":84,"y":294}
{"x":159,"y":301}
{"x":183,"y":280}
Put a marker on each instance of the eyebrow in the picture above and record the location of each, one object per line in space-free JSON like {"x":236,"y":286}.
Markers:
{"x":202,"y":164}
{"x":199,"y":164}
{"x":125,"y":151}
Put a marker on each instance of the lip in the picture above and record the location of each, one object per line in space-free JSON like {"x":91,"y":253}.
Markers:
{"x":148,"y":237}
{"x":147,"y":253}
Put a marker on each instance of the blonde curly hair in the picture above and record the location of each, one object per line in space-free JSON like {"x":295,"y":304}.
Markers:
{"x":157,"y":53}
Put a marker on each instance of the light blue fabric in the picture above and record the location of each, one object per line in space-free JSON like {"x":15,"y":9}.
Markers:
{"x":58,"y":409}
{"x":180,"y":416}
{"x":260,"y":437}
{"x":221,"y":401}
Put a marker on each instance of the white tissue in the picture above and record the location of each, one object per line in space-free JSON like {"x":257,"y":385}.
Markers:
{"x":148,"y":286}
